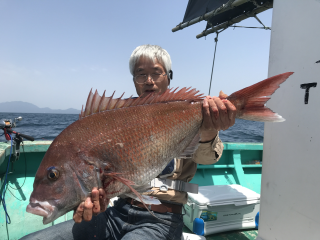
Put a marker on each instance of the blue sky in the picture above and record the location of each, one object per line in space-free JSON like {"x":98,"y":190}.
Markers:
{"x":53,"y":52}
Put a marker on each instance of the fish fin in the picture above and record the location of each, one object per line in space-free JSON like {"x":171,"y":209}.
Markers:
{"x":136,"y":102}
{"x":191,"y":148}
{"x":88,"y":104}
{"x":128,"y":101}
{"x":250,"y":101}
{"x":142,"y":188}
{"x":116,"y":103}
{"x":101,"y":101}
{"x":222,"y":95}
{"x":128,"y":183}
{"x":120,"y":102}
{"x":96,"y":103}
{"x":105,"y":102}
{"x":81,"y":113}
{"x":111,"y":102}
{"x":174,"y":90}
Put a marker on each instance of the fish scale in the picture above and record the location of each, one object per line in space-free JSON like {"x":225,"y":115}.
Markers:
{"x":138,"y":147}
{"x":122,"y":144}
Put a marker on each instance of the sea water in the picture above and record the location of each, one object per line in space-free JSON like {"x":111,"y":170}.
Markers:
{"x":46,"y":126}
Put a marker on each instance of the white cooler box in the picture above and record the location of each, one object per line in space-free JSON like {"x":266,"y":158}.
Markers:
{"x":222,"y":208}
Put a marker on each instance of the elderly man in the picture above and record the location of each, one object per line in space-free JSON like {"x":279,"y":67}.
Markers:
{"x":128,"y":219}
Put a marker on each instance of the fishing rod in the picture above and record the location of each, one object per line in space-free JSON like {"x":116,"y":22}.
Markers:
{"x":6,"y":125}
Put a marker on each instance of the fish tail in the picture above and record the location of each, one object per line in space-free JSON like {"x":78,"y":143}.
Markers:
{"x":250,"y":102}
{"x":128,"y":183}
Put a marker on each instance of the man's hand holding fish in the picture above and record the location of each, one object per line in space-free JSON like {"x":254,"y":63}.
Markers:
{"x":93,"y":205}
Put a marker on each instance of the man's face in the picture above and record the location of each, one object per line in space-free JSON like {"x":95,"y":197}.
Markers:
{"x":148,"y":67}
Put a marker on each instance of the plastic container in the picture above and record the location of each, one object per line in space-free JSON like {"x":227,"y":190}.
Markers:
{"x":222,"y":208}
{"x":189,"y":236}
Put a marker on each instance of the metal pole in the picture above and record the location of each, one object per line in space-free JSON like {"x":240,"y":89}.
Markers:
{"x":240,"y":18}
{"x":208,"y":15}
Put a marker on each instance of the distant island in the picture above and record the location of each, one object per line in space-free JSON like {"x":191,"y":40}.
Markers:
{"x":24,"y":107}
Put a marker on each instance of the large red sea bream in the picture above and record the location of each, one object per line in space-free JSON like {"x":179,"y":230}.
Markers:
{"x":121,"y":145}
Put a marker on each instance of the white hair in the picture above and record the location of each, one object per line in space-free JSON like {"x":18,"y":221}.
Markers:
{"x":152,"y":52}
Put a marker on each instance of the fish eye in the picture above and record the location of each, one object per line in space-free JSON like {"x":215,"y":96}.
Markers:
{"x":53,"y":174}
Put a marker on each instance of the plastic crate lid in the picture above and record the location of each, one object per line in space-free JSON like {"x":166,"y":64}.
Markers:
{"x":223,"y":195}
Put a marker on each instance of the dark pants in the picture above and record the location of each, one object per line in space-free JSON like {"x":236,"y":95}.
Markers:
{"x":122,"y":221}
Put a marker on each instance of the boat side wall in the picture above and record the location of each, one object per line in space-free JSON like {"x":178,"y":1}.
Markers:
{"x":240,"y":163}
{"x":22,"y":223}
{"x":290,"y":175}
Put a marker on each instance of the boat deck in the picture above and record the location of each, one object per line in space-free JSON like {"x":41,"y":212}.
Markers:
{"x":235,"y":167}
{"x":250,"y":234}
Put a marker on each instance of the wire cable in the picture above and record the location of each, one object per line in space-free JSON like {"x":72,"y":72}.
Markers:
{"x":25,"y":170}
{"x":2,"y":198}
{"x":252,"y":27}
{"x":21,"y":200}
{"x":214,"y":56}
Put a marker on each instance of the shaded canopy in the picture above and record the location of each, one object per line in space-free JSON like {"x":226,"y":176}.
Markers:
{"x":197,"y":8}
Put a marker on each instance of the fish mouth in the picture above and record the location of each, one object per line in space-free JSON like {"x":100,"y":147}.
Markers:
{"x":44,"y":209}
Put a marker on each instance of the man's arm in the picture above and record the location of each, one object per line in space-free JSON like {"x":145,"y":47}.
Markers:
{"x":208,"y":152}
{"x":218,"y":114}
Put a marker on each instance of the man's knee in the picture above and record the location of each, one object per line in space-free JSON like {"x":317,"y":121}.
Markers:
{"x":59,"y":231}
